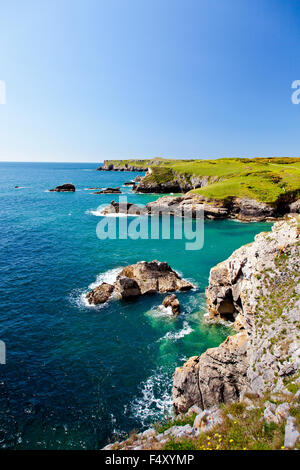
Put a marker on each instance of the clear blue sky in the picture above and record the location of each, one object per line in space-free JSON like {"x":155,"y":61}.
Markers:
{"x":92,"y":79}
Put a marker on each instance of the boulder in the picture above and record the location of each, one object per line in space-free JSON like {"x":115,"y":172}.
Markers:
{"x":100,"y":294}
{"x":67,"y":187}
{"x":173,"y":302}
{"x":292,"y":434}
{"x":207,"y":420}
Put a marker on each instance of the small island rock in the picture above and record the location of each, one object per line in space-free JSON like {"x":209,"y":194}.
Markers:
{"x":67,"y":187}
{"x":173,"y":302}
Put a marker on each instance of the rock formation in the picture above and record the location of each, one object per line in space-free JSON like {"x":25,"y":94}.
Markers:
{"x":109,"y":191}
{"x":194,"y":205}
{"x":100,"y":294}
{"x":154,"y":276}
{"x":67,"y":187}
{"x":141,"y":279}
{"x":258,"y":288}
{"x":173,"y":302}
{"x":107,"y":166}
{"x":124,"y":208}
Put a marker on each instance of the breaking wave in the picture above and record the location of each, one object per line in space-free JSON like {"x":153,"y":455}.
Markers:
{"x":79,"y":296}
{"x":155,"y":398}
{"x":175,"y":335}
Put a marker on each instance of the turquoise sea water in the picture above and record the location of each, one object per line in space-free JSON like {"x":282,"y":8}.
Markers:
{"x":77,"y":376}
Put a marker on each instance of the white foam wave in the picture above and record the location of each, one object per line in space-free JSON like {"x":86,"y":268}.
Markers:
{"x":155,"y":399}
{"x":161,"y":311}
{"x":99,"y":213}
{"x":79,"y":296}
{"x":174,"y":336}
{"x":109,"y":276}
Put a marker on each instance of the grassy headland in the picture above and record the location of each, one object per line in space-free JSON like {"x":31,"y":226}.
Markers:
{"x":264,"y":179}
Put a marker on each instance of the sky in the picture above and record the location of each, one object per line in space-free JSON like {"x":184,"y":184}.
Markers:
{"x":88,"y":80}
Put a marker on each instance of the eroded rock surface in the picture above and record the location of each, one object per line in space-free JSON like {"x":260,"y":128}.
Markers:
{"x":155,"y":276}
{"x":142,"y":278}
{"x":258,"y":288}
{"x":100,"y":294}
{"x":124,"y":208}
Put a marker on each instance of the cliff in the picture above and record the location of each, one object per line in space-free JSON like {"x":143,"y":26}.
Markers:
{"x":245,"y":393}
{"x":258,"y":290}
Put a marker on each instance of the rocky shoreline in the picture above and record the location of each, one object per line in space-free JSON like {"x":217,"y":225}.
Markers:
{"x":193,"y":205}
{"x":167,"y":181}
{"x":257,"y":290}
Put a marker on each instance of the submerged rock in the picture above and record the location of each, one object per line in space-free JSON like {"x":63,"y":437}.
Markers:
{"x":67,"y":187}
{"x":100,"y":294}
{"x":173,"y":302}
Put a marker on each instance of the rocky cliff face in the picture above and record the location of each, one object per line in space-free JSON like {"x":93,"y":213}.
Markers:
{"x":109,"y":166}
{"x":240,"y":208}
{"x":258,"y":290}
{"x":162,"y":181}
{"x":192,"y":205}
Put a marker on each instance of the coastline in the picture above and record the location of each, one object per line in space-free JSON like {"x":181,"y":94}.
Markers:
{"x":239,"y":201}
{"x":243,"y":369}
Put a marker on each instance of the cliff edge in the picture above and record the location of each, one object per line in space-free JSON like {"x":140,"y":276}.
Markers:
{"x":257,"y":289}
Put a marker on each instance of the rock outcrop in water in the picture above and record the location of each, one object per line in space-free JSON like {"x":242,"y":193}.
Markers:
{"x":142,"y":278}
{"x":173,"y":302}
{"x":125,"y":208}
{"x":64,"y":188}
{"x":109,"y":191}
{"x":257,"y":288}
{"x":100,"y":294}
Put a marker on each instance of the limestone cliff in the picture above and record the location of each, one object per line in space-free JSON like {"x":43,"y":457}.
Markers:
{"x":257,"y":289}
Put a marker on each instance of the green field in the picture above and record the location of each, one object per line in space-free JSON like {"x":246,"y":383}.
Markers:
{"x":264,"y":179}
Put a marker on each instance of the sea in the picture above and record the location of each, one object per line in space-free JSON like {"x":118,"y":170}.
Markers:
{"x":78,"y":376}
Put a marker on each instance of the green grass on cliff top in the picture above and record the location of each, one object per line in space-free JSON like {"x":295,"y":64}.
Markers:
{"x":264,"y":179}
